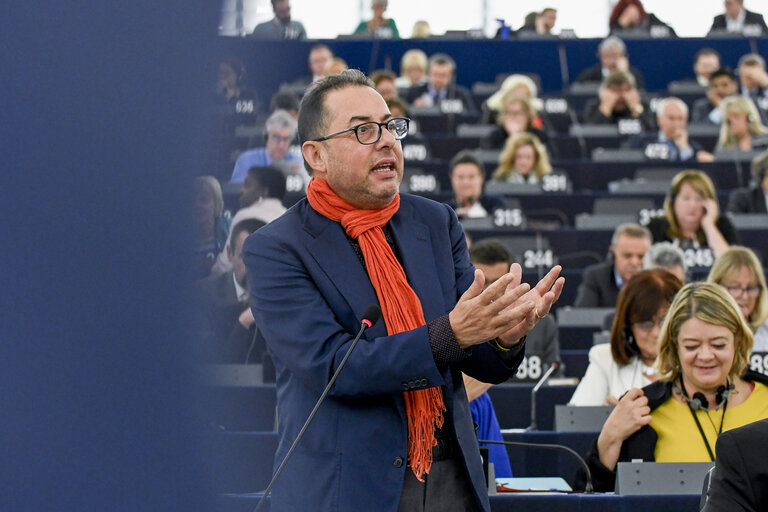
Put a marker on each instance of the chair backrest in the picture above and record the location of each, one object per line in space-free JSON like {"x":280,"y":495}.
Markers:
{"x":618,"y":155}
{"x":663,"y":174}
{"x":474,"y":130}
{"x":593,"y":130}
{"x":582,"y":317}
{"x":620,"y":205}
{"x":602,"y":221}
{"x":598,"y":338}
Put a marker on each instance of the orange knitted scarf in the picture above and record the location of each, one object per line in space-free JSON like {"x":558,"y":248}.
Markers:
{"x":400,"y":306}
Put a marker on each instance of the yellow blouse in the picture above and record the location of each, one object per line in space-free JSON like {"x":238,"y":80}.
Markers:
{"x":679,"y":439}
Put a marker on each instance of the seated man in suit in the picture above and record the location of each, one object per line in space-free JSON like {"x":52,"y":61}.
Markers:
{"x":613,"y":57}
{"x":722,"y":83}
{"x":227,"y":324}
{"x":281,"y":26}
{"x":753,"y":199}
{"x":440,"y":89}
{"x":601,"y":282}
{"x":705,"y":62}
{"x":618,"y":99}
{"x":672,"y":143}
{"x":738,"y":20}
{"x":740,"y":479}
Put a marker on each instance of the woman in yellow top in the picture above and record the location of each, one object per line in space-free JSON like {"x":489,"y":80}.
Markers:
{"x":704,"y":345}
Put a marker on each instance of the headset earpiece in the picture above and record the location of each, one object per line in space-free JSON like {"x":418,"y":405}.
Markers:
{"x":630,"y":343}
{"x":699,"y":401}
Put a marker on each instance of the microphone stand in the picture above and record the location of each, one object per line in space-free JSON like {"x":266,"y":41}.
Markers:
{"x":588,"y":489}
{"x":370,"y":317}
{"x":554,"y":366}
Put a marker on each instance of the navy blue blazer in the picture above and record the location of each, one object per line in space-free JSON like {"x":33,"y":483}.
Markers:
{"x":308,"y":291}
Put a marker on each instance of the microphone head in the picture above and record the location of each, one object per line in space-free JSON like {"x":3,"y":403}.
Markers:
{"x":699,"y":402}
{"x":371,"y":314}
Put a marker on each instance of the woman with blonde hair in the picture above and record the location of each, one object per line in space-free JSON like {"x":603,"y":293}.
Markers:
{"x":741,"y":125}
{"x":523,"y":160}
{"x":516,"y":116}
{"x":521,"y":86}
{"x":741,"y":274}
{"x":692,"y":219}
{"x":704,"y":389}
{"x":413,"y":69}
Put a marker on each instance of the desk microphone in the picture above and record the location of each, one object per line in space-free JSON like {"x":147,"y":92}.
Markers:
{"x":579,"y":135}
{"x":554,"y":366}
{"x":371,"y":315}
{"x":587,"y":488}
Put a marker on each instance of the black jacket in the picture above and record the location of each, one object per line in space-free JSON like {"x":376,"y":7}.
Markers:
{"x":751,"y":18}
{"x":453,"y":91}
{"x":740,"y":480}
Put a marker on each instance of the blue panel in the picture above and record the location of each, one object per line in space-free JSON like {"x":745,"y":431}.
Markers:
{"x":100,"y":109}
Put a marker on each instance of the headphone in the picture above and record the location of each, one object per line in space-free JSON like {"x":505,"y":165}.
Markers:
{"x":699,"y":401}
{"x":630,"y":343}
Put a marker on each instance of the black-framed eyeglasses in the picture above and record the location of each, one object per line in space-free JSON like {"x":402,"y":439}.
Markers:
{"x":370,"y":132}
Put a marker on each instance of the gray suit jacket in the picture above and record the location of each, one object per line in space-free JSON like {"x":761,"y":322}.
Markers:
{"x":598,"y":287}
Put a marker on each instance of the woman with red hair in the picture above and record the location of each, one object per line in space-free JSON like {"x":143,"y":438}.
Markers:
{"x":629,"y":16}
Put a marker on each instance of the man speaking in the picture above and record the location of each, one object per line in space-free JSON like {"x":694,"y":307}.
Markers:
{"x":395,"y":433}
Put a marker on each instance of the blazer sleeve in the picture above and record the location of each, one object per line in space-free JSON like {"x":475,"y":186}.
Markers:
{"x":730,"y":488}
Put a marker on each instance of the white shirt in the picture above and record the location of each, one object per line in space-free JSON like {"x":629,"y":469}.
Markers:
{"x":735,"y":25}
{"x":604,"y":377}
{"x":242,"y":293}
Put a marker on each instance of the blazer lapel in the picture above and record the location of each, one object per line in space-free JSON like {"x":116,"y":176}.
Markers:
{"x":333,"y":253}
{"x":414,"y":243}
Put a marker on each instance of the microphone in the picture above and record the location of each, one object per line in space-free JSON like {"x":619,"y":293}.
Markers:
{"x":579,"y":136}
{"x":588,"y":489}
{"x":371,"y":315}
{"x":555,"y":365}
{"x":697,"y":402}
